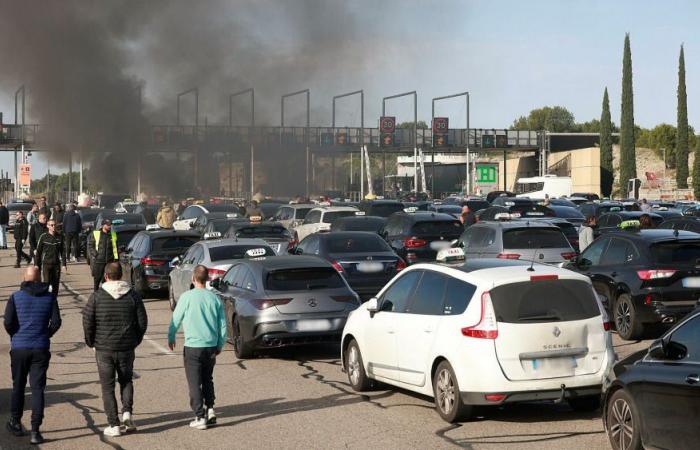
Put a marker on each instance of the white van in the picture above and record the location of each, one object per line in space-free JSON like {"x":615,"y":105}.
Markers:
{"x":537,"y":187}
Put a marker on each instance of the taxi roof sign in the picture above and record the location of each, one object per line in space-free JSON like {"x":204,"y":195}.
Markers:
{"x":256,"y":252}
{"x":450,"y":254}
{"x":212,"y":235}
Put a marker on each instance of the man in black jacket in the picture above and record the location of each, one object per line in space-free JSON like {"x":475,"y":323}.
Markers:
{"x":114,"y":322}
{"x":21,"y":232}
{"x":102,"y":248}
{"x":49,"y":255}
{"x":4,"y":221}
{"x":35,"y":232}
{"x":72,"y":224}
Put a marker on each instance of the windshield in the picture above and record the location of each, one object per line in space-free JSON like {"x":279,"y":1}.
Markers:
{"x":332,"y":216}
{"x":477,"y":205}
{"x":569,"y":213}
{"x":534,"y":238}
{"x":384,"y":209}
{"x":448,"y":229}
{"x":364,"y":244}
{"x":221,"y":253}
{"x":263,"y":232}
{"x":302,"y":212}
{"x":524,"y":188}
{"x":676,"y":252}
{"x":171,"y":243}
{"x":303,"y":279}
{"x":221,"y":226}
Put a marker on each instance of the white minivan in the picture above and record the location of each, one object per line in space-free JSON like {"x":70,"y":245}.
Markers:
{"x":486,"y":332}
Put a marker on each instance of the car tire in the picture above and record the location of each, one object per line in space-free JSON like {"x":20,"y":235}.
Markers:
{"x":626,"y":321}
{"x":622,"y":422}
{"x":448,"y":401}
{"x":355,"y":368}
{"x":240,"y":347}
{"x":171,"y":297}
{"x":585,"y":404}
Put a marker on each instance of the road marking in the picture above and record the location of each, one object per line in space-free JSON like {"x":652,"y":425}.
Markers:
{"x":146,"y":337}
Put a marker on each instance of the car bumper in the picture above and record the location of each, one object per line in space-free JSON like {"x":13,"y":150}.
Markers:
{"x":564,"y":393}
{"x":155,"y":281}
{"x":285,"y":333}
{"x":663,"y":311}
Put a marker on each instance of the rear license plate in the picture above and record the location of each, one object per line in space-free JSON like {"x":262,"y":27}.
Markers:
{"x":535,"y":214}
{"x":313,"y":325}
{"x":440,"y":245}
{"x":554,"y":363}
{"x":370,"y":267}
{"x":691,"y":282}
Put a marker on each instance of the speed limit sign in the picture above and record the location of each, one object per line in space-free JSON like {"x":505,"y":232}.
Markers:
{"x":440,"y":125}
{"x":387,"y":124}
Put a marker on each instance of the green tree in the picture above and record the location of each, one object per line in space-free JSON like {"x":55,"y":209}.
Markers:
{"x":552,"y":118}
{"x":682,"y":128}
{"x":606,"y":150}
{"x":422,"y":125}
{"x":628,"y":164}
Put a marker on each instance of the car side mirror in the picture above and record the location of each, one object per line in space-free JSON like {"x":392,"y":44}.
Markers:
{"x":657,"y":350}
{"x":372,"y":305}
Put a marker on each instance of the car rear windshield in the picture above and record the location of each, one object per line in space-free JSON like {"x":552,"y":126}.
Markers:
{"x":235,"y":252}
{"x":263,"y":232}
{"x":568,"y":229}
{"x":358,"y":225}
{"x":166,"y":244}
{"x":124,"y":237}
{"x":534,"y":238}
{"x":222,"y":208}
{"x":442,"y":227}
{"x":532,"y":211}
{"x":364,"y":244}
{"x":385,"y":210}
{"x":332,"y":216}
{"x":544,"y":301}
{"x":221,"y":226}
{"x":303,"y":279}
{"x":676,"y":252}
{"x":477,"y":205}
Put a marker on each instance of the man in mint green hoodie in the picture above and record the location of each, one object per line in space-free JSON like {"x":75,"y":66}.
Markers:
{"x":204,"y":319}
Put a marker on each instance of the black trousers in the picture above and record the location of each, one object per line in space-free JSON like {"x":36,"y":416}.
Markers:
{"x":72,"y":245}
{"x":199,"y":370}
{"x":121,"y":363}
{"x":98,"y":273}
{"x":19,"y":249}
{"x":32,"y":363}
{"x":52,"y":276}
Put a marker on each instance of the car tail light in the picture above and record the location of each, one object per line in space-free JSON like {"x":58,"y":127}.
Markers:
{"x":215,"y":273}
{"x":152,"y":262}
{"x":414,"y":242}
{"x":345,"y":299}
{"x":655,"y":274}
{"x":607,"y":326}
{"x":568,"y":255}
{"x":508,"y":256}
{"x":543,"y":277}
{"x":400,"y":265}
{"x":487,"y":328}
{"x":291,"y":244}
{"x":496,"y":398}
{"x":264,"y":303}
{"x":336,"y":265}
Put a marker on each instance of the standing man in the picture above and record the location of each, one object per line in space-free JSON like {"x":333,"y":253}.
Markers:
{"x":114,"y":322}
{"x":586,"y":236}
{"x":31,"y":318}
{"x":645,"y":206}
{"x":72,"y":224}
{"x":49,"y":255}
{"x":32,"y":216}
{"x":205,"y":333}
{"x":102,"y":245}
{"x":166,"y":216}
{"x":44,"y":207}
{"x":467,"y":217}
{"x":4,"y":221}
{"x":36,"y":231}
{"x":21,"y":232}
{"x":57,"y":215}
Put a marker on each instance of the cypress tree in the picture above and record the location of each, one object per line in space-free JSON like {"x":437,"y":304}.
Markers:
{"x":628,"y":164}
{"x":606,"y":150}
{"x":696,"y":170}
{"x":682,"y":128}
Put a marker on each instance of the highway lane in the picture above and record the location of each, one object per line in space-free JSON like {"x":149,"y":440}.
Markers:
{"x":284,"y":399}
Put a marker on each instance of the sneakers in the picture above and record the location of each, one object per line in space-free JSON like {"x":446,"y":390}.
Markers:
{"x":37,"y":438}
{"x":199,"y":423}
{"x":128,"y":423}
{"x":15,"y":427}
{"x":112,"y":431}
{"x":211,"y":417}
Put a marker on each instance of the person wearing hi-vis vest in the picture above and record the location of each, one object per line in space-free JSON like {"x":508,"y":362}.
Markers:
{"x":102,"y":246}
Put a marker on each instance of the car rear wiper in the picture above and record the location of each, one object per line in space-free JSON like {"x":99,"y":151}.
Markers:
{"x":541,"y":317}
{"x":315,"y":286}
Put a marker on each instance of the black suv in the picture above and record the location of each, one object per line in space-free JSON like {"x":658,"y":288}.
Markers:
{"x":612,"y":221}
{"x":647,"y":277}
{"x":417,"y":237}
{"x":381,"y":208}
{"x":598,"y":209}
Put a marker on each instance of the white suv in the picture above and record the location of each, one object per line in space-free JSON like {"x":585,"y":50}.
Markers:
{"x":320,"y":219}
{"x":484,"y":333}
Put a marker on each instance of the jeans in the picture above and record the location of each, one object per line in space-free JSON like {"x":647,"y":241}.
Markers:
{"x":72,"y":245}
{"x":199,"y":370}
{"x":33,"y":363}
{"x":52,"y":276}
{"x":19,"y":249}
{"x":3,"y":236}
{"x":121,"y":363}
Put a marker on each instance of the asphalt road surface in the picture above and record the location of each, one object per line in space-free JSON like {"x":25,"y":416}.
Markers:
{"x":285,"y":399}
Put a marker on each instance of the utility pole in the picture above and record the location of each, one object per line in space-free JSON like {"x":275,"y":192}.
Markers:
{"x":467,"y":175}
{"x":306,"y":137}
{"x":251,"y":91}
{"x":362,"y":131}
{"x":415,"y":130}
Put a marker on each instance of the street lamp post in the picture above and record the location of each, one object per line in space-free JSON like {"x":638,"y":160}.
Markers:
{"x":22,"y":90}
{"x":138,"y":157}
{"x":195,"y":91}
{"x":362,"y":133}
{"x":415,"y":135}
{"x":467,"y":179}
{"x":306,"y":137}
{"x":250,"y":136}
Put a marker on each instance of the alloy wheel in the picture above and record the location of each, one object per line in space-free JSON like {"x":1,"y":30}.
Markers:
{"x":354,"y":365}
{"x":623,"y":317}
{"x":445,"y":391}
{"x":621,"y":424}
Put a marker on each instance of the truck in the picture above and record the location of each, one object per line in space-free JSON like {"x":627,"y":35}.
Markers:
{"x":536,"y":187}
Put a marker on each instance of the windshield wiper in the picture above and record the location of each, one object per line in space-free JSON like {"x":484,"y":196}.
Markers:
{"x":541,"y":317}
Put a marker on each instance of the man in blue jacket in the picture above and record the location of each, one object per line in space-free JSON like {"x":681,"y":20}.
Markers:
{"x":31,"y":318}
{"x":72,"y":225}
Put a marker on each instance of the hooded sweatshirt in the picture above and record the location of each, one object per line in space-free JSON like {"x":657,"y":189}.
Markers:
{"x":114,"y":318}
{"x":166,"y":217}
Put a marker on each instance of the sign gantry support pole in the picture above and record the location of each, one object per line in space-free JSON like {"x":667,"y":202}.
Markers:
{"x":361,"y":92}
{"x":250,"y":91}
{"x":415,"y":130}
{"x":467,"y":174}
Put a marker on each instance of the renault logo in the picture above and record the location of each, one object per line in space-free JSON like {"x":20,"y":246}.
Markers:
{"x":312,"y":302}
{"x":556,"y":332}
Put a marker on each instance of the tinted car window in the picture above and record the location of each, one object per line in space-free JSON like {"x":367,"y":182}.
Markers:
{"x":427,"y":298}
{"x":191,"y":212}
{"x":172,"y":243}
{"x":20,"y":207}
{"x":332,"y":216}
{"x":225,"y":252}
{"x":476,"y":237}
{"x":395,"y":299}
{"x":358,"y":224}
{"x":220,"y":226}
{"x":231,"y":275}
{"x":688,"y":335}
{"x":87,"y":215}
{"x":369,"y":243}
{"x":619,"y":252}
{"x":544,"y":301}
{"x":301,"y":213}
{"x":534,"y":238}
{"x":457,"y":297}
{"x":303,"y":279}
{"x":124,"y":237}
{"x":263,"y":231}
{"x":248,"y":281}
{"x":476,"y":205}
{"x":593,"y":252}
{"x":447,"y":228}
{"x":384,"y":209}
{"x":676,"y":252}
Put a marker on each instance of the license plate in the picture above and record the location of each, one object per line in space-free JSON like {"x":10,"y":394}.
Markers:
{"x":554,"y":363}
{"x":440,"y":245}
{"x":370,"y":267}
{"x":535,"y":213}
{"x":691,"y":282}
{"x":313,"y":325}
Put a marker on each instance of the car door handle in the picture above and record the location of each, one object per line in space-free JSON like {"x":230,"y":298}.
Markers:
{"x":692,"y":379}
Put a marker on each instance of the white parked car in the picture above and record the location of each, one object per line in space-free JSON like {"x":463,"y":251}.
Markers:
{"x":320,"y":219}
{"x":486,"y":332}
{"x":187,"y":218}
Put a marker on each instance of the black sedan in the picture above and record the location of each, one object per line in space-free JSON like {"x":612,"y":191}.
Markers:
{"x":649,"y":279}
{"x":365,"y":259}
{"x":654,"y":398}
{"x":146,"y":260}
{"x":274,"y":233}
{"x":359,"y":223}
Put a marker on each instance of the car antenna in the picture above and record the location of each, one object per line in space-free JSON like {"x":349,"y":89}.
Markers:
{"x":532,"y":263}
